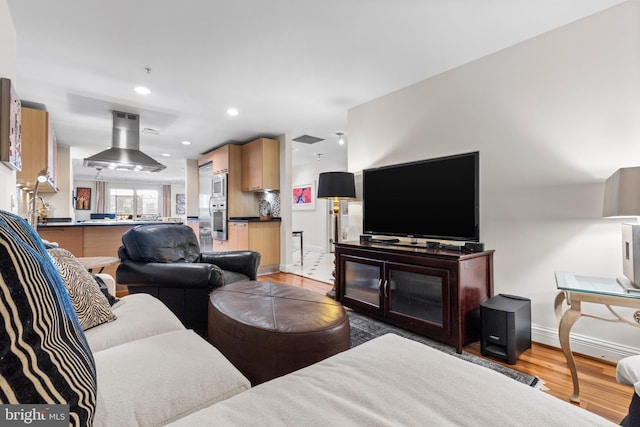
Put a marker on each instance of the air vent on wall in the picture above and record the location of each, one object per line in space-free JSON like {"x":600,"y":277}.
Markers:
{"x":308,"y":139}
{"x":152,"y":131}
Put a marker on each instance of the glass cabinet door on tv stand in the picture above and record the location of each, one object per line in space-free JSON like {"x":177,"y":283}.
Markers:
{"x":418,"y":294}
{"x":362,"y":280}
{"x":406,"y":293}
{"x":433,"y":293}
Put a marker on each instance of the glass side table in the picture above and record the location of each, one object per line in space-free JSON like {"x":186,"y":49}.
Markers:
{"x":578,"y":288}
{"x":91,"y":262}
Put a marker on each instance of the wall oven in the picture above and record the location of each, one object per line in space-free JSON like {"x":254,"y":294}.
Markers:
{"x":218,"y":218}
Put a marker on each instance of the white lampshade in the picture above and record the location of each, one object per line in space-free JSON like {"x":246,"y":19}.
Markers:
{"x":622,"y":193}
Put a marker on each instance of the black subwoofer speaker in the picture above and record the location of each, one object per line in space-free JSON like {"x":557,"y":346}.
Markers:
{"x":506,"y":327}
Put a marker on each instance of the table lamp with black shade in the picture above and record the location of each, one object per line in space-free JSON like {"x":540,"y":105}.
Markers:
{"x":336,"y":186}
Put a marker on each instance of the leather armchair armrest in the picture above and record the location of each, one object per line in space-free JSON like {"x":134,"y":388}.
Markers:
{"x":109,"y":281}
{"x":245,"y":262}
{"x":170,"y":275}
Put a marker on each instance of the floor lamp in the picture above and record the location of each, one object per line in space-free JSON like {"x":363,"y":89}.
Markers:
{"x":336,"y":186}
{"x":43,"y":176}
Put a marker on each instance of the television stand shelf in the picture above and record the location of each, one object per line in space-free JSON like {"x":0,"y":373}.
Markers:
{"x":433,"y":292}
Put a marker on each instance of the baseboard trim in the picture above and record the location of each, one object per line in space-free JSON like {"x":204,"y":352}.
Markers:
{"x":589,"y":346}
{"x":286,"y":268}
{"x":268,"y":269}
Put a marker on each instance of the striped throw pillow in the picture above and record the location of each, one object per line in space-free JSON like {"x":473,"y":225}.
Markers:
{"x":90,"y":304}
{"x":45,"y":358}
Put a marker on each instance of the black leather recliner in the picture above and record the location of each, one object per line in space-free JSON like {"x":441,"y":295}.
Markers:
{"x":164,"y":260}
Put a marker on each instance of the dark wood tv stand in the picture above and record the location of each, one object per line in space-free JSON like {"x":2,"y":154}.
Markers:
{"x":433,"y":292}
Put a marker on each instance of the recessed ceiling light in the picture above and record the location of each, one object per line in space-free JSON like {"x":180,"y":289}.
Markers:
{"x":166,"y":155}
{"x":186,"y":143}
{"x":233,"y":111}
{"x":142,"y":90}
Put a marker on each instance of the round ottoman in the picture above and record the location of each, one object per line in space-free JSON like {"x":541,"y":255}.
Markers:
{"x":269,"y":329}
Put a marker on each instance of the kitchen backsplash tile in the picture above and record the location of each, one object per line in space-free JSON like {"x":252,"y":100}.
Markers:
{"x":273,"y":197}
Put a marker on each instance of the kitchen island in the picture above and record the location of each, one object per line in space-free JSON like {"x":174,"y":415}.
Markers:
{"x":92,"y":238}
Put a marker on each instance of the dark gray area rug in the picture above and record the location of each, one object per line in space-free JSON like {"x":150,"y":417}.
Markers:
{"x":364,"y":328}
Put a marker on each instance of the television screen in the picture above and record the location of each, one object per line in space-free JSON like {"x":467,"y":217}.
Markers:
{"x":434,"y":199}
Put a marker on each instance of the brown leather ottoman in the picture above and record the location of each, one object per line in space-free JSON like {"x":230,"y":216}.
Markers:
{"x":269,"y":329}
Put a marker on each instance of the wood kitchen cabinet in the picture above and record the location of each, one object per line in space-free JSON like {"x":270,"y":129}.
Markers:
{"x":39,"y":150}
{"x":261,"y":165}
{"x":259,"y":236}
{"x":219,"y":158}
{"x":238,"y":236}
{"x":264,"y":237}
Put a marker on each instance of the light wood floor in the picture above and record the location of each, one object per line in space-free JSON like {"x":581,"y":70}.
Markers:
{"x":599,"y":391}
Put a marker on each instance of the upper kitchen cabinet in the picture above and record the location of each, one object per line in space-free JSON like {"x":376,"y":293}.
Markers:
{"x":261,"y":165}
{"x":219,"y":158}
{"x":39,"y":150}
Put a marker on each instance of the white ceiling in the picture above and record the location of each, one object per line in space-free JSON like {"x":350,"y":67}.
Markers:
{"x":290,"y":66}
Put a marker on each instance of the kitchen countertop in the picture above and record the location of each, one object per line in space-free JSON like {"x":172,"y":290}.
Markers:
{"x":99,"y":223}
{"x":253,"y":219}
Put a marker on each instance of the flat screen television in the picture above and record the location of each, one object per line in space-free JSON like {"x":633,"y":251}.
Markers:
{"x":434,"y":199}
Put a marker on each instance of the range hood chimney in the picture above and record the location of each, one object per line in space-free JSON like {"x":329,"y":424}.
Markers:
{"x":124,"y":153}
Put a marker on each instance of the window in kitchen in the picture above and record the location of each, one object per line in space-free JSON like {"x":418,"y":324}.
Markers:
{"x":135,"y":203}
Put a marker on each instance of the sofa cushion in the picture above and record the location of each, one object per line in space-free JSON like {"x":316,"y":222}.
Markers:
{"x":138,"y":316}
{"x":90,"y":304}
{"x":393,"y":381}
{"x":45,"y":358}
{"x":628,"y":371}
{"x":23,"y":231}
{"x":155,"y":380}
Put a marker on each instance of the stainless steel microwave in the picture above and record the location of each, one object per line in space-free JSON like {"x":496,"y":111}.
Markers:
{"x":219,"y":186}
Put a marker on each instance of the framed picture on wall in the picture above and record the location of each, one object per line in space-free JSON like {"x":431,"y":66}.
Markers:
{"x":83,"y":198}
{"x":10,"y":126}
{"x":180,"y":200}
{"x":304,"y":196}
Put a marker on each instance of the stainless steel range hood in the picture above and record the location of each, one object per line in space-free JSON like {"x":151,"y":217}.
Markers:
{"x":124,"y":153}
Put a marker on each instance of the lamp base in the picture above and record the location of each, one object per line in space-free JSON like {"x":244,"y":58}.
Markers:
{"x":332,"y":293}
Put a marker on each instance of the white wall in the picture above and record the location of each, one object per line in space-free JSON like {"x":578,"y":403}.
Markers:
{"x":286,"y":244}
{"x":178,"y":189}
{"x":62,"y":200}
{"x":552,"y":118}
{"x":314,"y":223}
{"x":191,"y":187}
{"x":8,"y":69}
